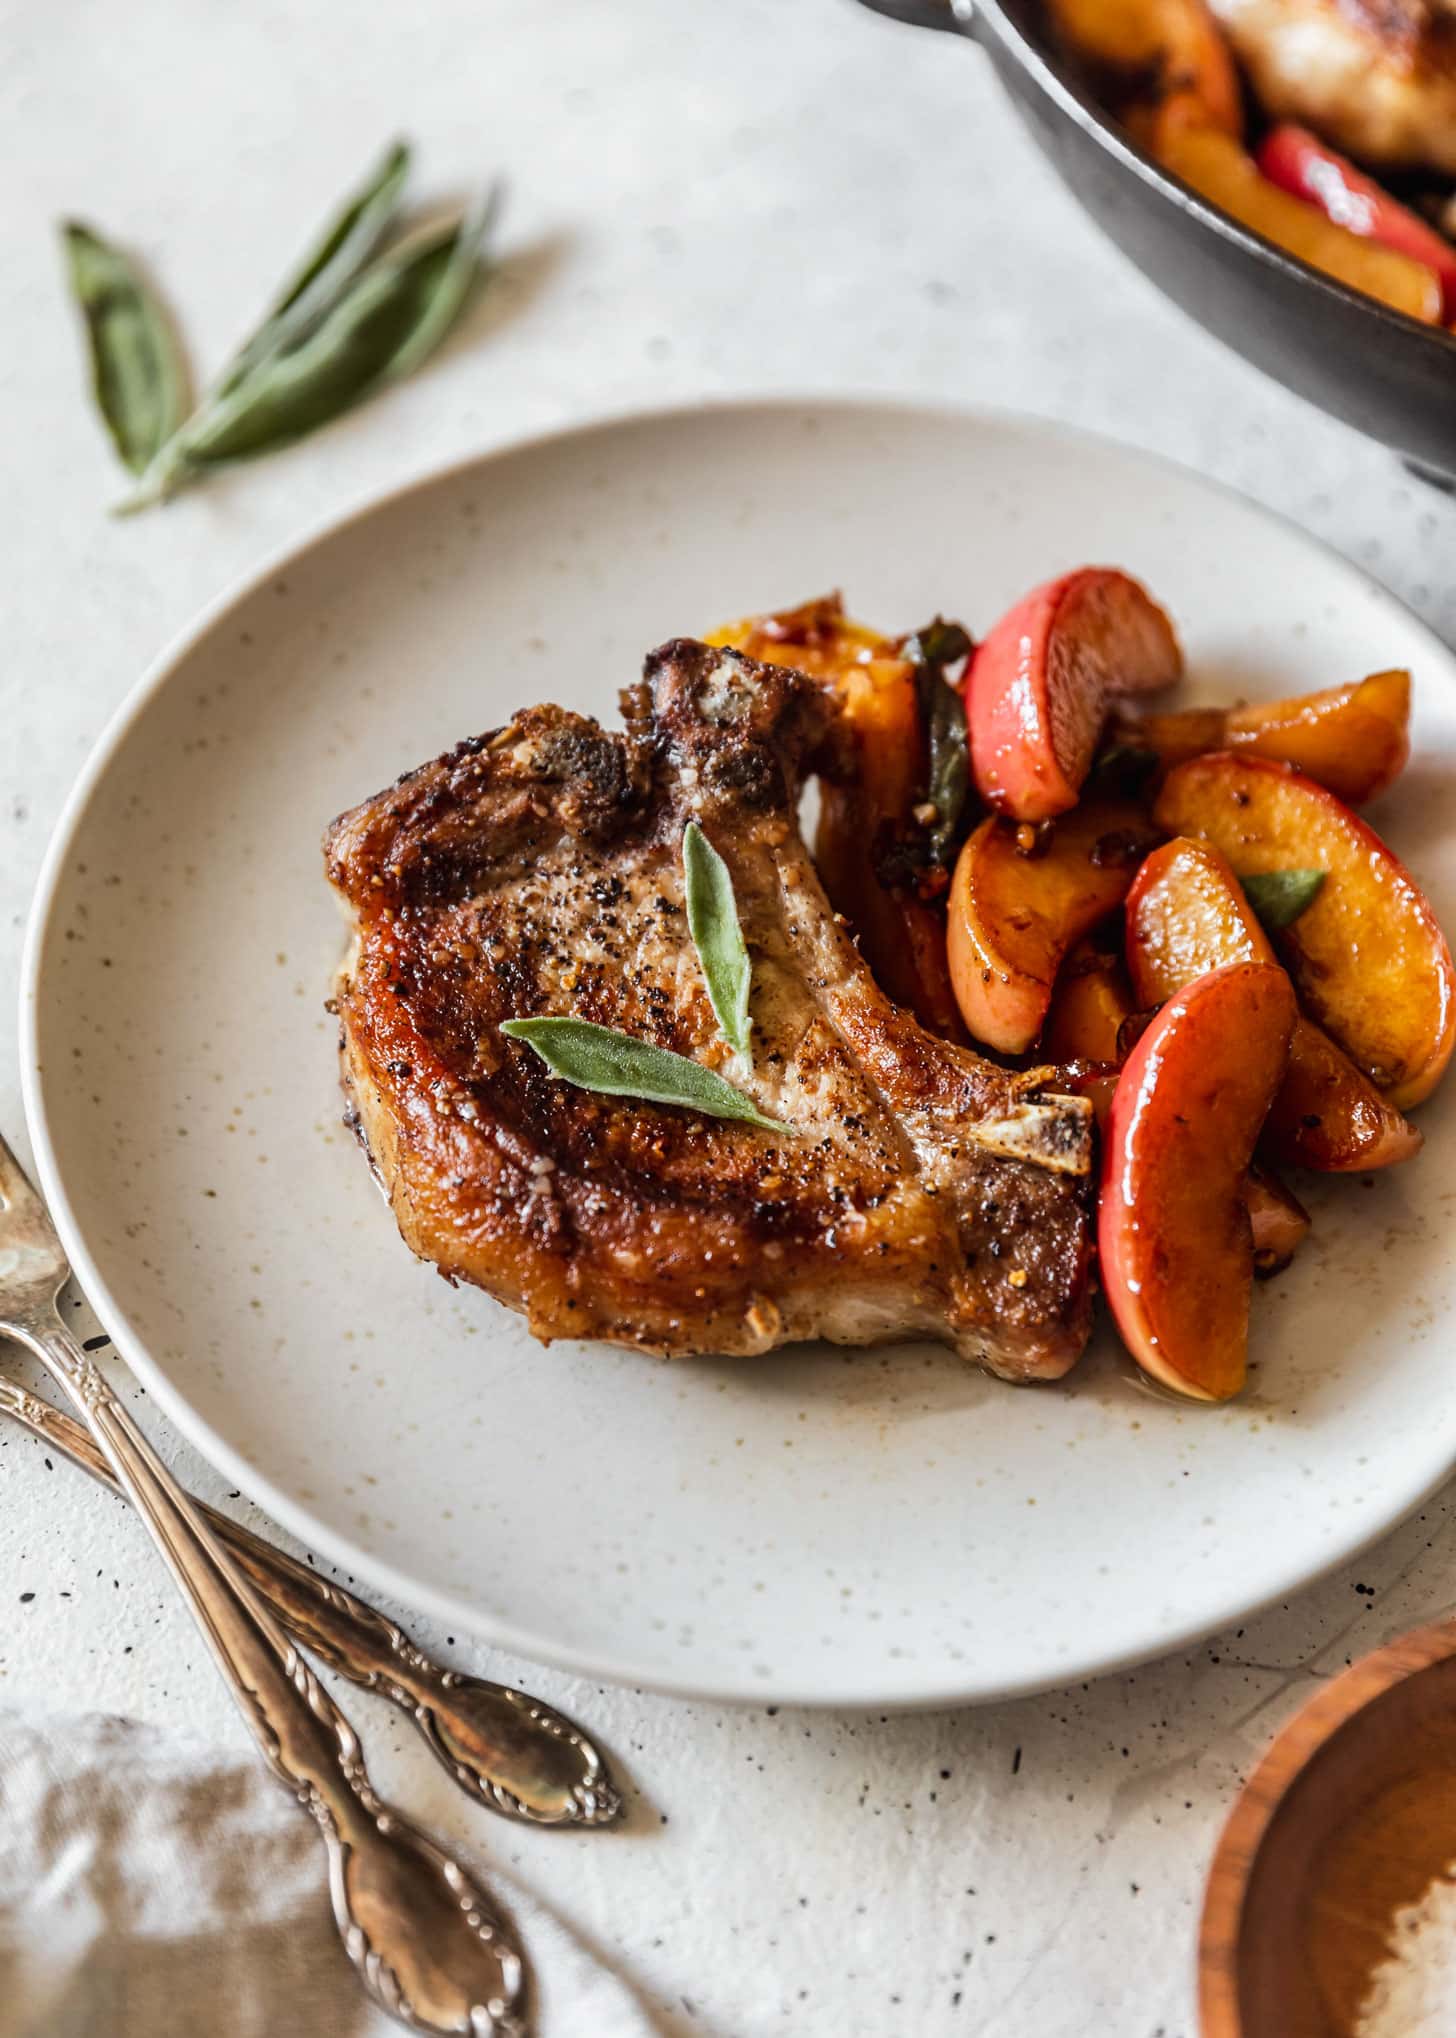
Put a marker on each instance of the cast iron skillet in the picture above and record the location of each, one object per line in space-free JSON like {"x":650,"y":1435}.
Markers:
{"x":1380,"y":371}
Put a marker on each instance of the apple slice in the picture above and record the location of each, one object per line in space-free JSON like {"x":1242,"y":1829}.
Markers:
{"x":1299,"y":162}
{"x":1214,"y":165}
{"x":1368,"y":956}
{"x":1090,"y":1001}
{"x":1187,"y":914}
{"x":1158,"y":47}
{"x":1354,"y":740}
{"x":1037,"y":687}
{"x":1020,"y":898}
{"x":1278,"y":1221}
{"x":1173,"y":1232}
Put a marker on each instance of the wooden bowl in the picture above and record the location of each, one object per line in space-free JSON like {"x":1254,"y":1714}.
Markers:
{"x":1350,"y":1816}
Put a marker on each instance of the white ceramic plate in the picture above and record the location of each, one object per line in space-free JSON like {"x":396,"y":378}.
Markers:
{"x":885,"y":1527}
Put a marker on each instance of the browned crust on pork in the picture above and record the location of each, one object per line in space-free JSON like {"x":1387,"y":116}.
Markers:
{"x":536,"y":870}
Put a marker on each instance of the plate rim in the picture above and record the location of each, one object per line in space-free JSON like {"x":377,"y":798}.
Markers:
{"x":951,"y":1688}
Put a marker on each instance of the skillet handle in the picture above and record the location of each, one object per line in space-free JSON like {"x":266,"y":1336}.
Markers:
{"x":955,"y":15}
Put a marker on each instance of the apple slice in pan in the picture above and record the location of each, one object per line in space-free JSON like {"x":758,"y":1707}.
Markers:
{"x":1037,"y":687}
{"x":1300,"y":163}
{"x":1020,"y":898}
{"x":1187,"y":914}
{"x":1354,"y":740}
{"x":1217,"y":168}
{"x":1371,"y":964}
{"x":1174,"y":1238}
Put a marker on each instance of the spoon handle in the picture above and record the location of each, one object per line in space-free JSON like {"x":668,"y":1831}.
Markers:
{"x":512,"y":1752}
{"x":427,"y":1944}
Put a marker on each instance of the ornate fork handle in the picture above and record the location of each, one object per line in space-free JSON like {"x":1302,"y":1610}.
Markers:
{"x":428,"y":1945}
{"x":509,"y":1750}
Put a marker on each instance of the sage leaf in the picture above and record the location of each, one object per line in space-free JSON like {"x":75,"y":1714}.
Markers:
{"x":943,"y":717}
{"x":1125,"y":768}
{"x":618,"y":1065}
{"x":335,"y":259}
{"x":717,"y":936}
{"x":392,"y":315}
{"x":939,"y":643}
{"x":1280,"y":896}
{"x":137,"y":370}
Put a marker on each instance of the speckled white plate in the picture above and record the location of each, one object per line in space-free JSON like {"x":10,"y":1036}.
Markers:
{"x":886,"y":1528}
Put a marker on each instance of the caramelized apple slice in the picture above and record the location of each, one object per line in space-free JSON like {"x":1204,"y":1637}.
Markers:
{"x":1353,"y":740}
{"x":1370,"y":961}
{"x":1186,"y":915}
{"x":1090,"y":1001}
{"x":1038,"y":686}
{"x":1174,"y":1238}
{"x":1309,"y":168}
{"x":1278,"y":1221}
{"x":1215,"y":166}
{"x":1020,"y":898}
{"x":1159,"y":46}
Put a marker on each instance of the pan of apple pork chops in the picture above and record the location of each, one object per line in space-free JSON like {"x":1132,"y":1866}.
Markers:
{"x":1285,"y":170}
{"x":1065,"y":988}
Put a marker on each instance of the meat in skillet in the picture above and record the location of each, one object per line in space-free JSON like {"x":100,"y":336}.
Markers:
{"x":926,"y":1192}
{"x":1375,"y":77}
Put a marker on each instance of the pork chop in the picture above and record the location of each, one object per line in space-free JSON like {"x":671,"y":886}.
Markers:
{"x":538,"y":870}
{"x":1375,"y":77}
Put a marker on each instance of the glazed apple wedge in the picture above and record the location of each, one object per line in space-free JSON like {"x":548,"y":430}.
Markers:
{"x":1187,"y":914}
{"x":1354,"y":740}
{"x":1371,"y":964}
{"x":1278,"y":1221}
{"x":1017,"y":906}
{"x":1174,"y":1238}
{"x":1091,"y":1002}
{"x":1038,"y":686}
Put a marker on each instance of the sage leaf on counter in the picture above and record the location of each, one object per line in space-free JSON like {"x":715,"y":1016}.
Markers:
{"x":717,"y":936}
{"x":616,"y":1064}
{"x":335,"y":259}
{"x":392,"y":315}
{"x":1280,"y":896}
{"x":137,"y":368}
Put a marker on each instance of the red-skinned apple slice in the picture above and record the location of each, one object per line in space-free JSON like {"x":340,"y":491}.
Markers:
{"x":1174,"y":1239}
{"x":1370,"y":961}
{"x":1038,"y":686}
{"x":1299,"y":162}
{"x":1187,"y":914}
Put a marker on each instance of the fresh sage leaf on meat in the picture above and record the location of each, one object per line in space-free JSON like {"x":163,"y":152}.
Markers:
{"x":335,"y":259}
{"x":943,"y":716}
{"x":617,"y":1065}
{"x":137,"y":369}
{"x":717,"y":936}
{"x":1280,"y":896}
{"x":389,"y":318}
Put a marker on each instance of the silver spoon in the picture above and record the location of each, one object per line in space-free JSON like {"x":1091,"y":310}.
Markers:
{"x":512,"y":1752}
{"x":429,"y":1947}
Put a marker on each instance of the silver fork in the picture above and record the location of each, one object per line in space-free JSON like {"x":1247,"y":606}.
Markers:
{"x":513,"y":1752}
{"x":429,"y":1947}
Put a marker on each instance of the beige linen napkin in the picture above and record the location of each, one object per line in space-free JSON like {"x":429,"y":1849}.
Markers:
{"x":152,"y":1888}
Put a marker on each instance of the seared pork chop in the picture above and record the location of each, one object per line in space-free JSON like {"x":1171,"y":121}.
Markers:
{"x":538,"y":870}
{"x":1375,"y":77}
